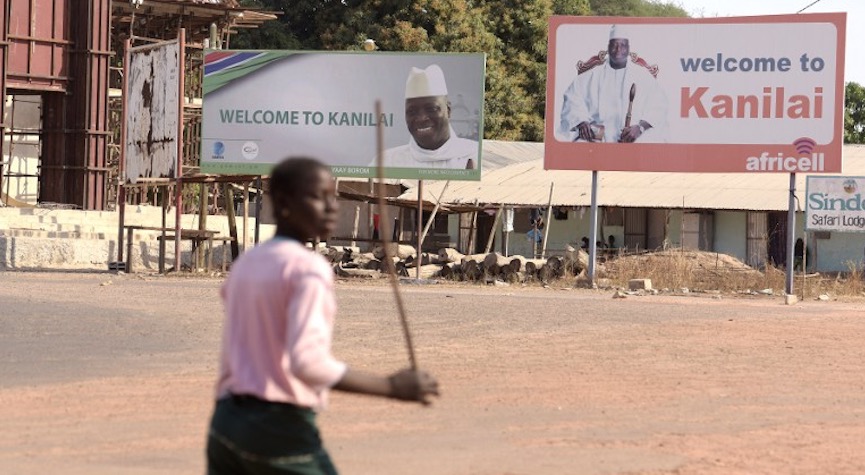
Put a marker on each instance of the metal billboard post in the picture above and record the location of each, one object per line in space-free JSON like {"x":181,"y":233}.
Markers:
{"x":791,"y":235}
{"x":593,"y":230}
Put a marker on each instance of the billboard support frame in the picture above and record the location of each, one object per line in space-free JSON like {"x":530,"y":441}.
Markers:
{"x":178,"y":212}
{"x":791,"y":235}
{"x":593,"y":230}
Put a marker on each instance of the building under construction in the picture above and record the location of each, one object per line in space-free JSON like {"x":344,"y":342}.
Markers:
{"x":61,"y":77}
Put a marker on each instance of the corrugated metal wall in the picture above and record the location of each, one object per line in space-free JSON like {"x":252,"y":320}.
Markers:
{"x":636,"y":228}
{"x":75,"y":124}
{"x":89,"y":112}
{"x":657,"y":228}
{"x":4,"y":50}
{"x":758,"y":224}
{"x":38,"y":43}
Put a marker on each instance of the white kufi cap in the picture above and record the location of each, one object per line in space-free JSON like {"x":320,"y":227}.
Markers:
{"x":620,"y":32}
{"x":425,"y":82}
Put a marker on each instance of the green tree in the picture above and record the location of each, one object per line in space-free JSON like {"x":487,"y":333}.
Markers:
{"x":272,"y":34}
{"x":572,"y":7}
{"x":516,"y":91}
{"x":854,"y":113}
{"x":636,"y":8}
{"x":512,"y":34}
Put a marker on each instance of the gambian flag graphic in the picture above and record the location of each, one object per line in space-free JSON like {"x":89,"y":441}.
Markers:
{"x":223,"y":67}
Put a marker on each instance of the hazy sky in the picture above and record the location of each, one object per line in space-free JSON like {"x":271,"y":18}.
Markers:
{"x":854,"y":68}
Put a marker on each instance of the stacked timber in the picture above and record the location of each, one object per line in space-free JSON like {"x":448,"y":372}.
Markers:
{"x":366,"y":260}
{"x":355,"y":272}
{"x":576,"y":260}
{"x":515,"y":270}
{"x":428,"y":271}
{"x":494,"y":262}
{"x":448,"y":263}
{"x":341,"y":253}
{"x":401,"y":269}
{"x":449,"y":254}
{"x":451,"y":271}
{"x":534,"y":267}
{"x":402,"y":251}
{"x":425,"y":259}
{"x":473,"y":266}
{"x":554,"y":269}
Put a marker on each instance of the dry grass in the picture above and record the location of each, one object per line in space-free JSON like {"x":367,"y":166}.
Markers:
{"x":696,"y":270}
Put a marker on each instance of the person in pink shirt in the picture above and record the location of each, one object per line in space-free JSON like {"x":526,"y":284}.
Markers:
{"x":276,"y":366}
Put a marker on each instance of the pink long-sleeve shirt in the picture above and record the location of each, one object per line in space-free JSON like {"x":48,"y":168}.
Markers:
{"x":279,"y":316}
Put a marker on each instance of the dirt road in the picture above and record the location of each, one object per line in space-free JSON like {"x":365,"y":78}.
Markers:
{"x":104,"y":374}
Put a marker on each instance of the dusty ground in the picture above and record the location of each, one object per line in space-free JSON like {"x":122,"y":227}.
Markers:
{"x":104,"y":374}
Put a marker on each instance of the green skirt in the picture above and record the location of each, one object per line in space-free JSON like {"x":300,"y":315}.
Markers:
{"x":251,"y":436}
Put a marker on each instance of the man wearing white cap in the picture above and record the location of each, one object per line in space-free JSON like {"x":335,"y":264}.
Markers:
{"x":608,"y":88}
{"x":433,"y":143}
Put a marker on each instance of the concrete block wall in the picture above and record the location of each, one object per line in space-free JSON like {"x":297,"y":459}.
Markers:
{"x":24,"y":252}
{"x":62,"y":239}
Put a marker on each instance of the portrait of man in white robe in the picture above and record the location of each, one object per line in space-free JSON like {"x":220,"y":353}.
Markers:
{"x":434,"y":142}
{"x":614,"y":98}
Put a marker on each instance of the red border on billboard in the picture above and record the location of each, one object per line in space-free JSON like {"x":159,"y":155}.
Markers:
{"x":695,"y":157}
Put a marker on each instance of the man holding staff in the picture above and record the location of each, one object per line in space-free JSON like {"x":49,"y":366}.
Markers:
{"x":615,"y":97}
{"x":276,"y":368}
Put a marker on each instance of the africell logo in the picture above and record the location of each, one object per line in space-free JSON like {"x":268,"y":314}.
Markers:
{"x":807,"y":161}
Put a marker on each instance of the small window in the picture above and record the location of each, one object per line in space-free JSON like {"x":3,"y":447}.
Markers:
{"x":439,"y":226}
{"x":614,"y":216}
{"x":560,"y":213}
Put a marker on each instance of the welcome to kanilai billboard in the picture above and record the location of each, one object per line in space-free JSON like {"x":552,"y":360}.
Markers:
{"x":262,"y":106}
{"x":735,"y":94}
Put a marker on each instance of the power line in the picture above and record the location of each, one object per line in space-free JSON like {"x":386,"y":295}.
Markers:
{"x":809,"y":6}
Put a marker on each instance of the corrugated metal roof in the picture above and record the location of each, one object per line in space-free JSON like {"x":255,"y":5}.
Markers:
{"x":526,"y":183}
{"x":160,"y":17}
{"x":495,"y":154}
{"x":498,"y":154}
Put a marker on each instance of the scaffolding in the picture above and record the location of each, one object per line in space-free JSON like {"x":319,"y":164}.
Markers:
{"x":19,"y":164}
{"x":69,"y":53}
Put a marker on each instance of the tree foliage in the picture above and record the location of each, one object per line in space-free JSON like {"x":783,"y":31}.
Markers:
{"x":635,"y":8}
{"x":512,"y":34}
{"x":854,"y":113}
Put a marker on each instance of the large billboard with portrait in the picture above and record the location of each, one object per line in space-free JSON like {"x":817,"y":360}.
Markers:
{"x":262,"y":106}
{"x":734,"y":94}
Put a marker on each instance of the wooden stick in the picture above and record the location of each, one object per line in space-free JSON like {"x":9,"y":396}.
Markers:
{"x":492,"y":235}
{"x":631,"y":94}
{"x":385,"y":240}
{"x":547,"y":225}
{"x":434,"y":211}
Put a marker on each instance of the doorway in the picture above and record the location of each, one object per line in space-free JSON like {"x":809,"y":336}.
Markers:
{"x":777,"y":229}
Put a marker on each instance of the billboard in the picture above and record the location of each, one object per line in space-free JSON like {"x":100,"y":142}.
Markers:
{"x":746,"y":94}
{"x":151,"y":126}
{"x":262,"y":106}
{"x":835,"y":203}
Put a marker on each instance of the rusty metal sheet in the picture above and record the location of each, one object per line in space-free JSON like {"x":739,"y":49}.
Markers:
{"x":75,"y":124}
{"x":38,"y":44}
{"x":3,"y":56}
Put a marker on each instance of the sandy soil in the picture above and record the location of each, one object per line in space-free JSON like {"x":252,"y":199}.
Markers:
{"x":106,"y":374}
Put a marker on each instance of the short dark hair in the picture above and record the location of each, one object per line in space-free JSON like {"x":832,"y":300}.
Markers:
{"x":291,"y":173}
